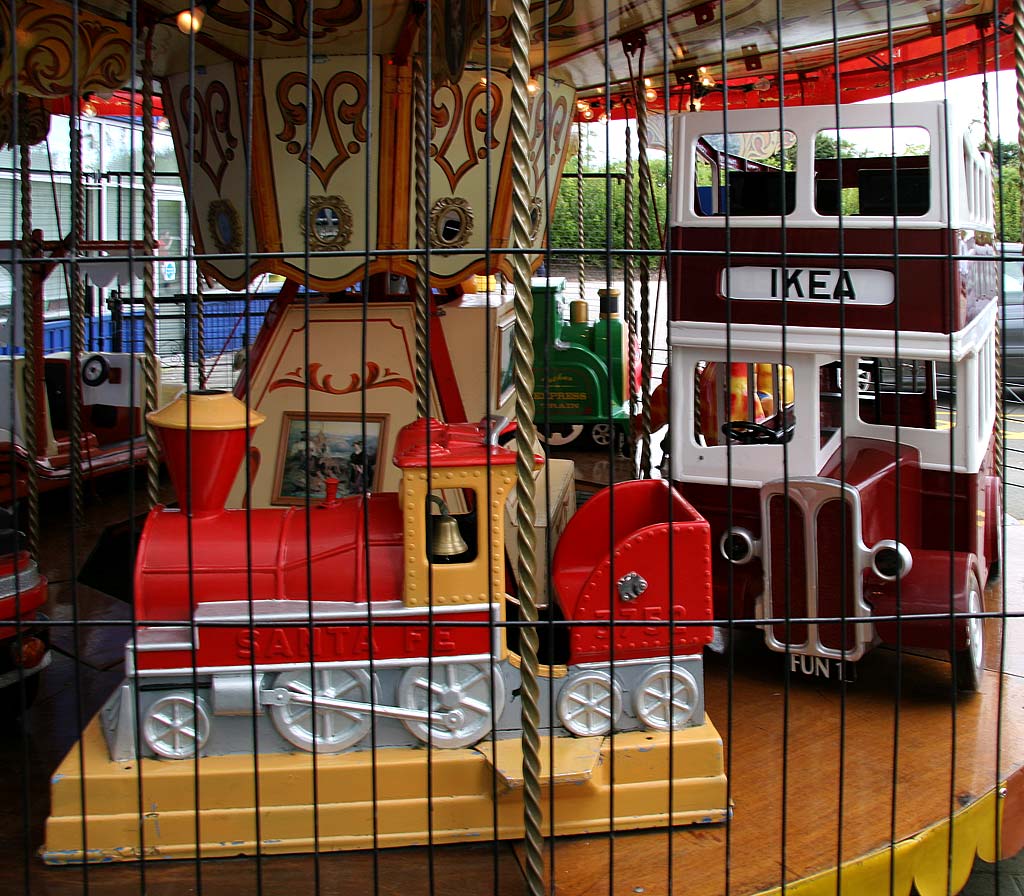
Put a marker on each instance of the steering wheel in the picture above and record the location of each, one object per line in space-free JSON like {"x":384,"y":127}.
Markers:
{"x":95,"y":370}
{"x":746,"y":432}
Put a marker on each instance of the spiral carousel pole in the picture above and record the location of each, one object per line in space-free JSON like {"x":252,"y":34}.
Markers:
{"x":421,"y":129}
{"x":148,"y":291}
{"x":525,"y":437}
{"x":77,"y":309}
{"x":200,"y":329}
{"x":629,"y":301}
{"x":645,"y":276}
{"x":30,"y":336}
{"x":580,"y":261}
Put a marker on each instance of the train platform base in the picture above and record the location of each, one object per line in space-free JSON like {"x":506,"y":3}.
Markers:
{"x":264,"y":804}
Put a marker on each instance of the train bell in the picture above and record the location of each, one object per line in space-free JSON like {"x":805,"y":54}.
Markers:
{"x":447,"y":541}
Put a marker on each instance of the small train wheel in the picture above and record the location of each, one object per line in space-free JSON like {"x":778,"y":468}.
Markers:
{"x":303,"y":722}
{"x":589,"y":703}
{"x":665,"y":698}
{"x":176,"y":726}
{"x":459,"y":702}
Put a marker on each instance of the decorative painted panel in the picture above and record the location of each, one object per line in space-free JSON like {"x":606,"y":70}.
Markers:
{"x":205,"y":113}
{"x":318,"y":143}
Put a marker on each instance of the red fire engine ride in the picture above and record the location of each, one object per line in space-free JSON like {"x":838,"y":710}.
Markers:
{"x":391,"y":608}
{"x":840,"y":266}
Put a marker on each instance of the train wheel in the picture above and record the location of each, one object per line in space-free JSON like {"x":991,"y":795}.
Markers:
{"x":589,"y":703}
{"x":458,"y":698}
{"x":666,"y":698}
{"x":301,"y":721}
{"x":176,"y":726}
{"x":601,"y":434}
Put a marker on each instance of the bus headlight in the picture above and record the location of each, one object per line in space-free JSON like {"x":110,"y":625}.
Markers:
{"x":738,"y":545}
{"x":891,"y":560}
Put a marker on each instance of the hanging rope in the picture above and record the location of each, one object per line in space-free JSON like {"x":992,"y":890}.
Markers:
{"x":643,"y":244}
{"x":76,"y":299}
{"x":422,"y":137}
{"x":580,"y":261}
{"x":525,"y":437}
{"x":28,"y":325}
{"x":200,"y":328}
{"x":148,"y":293}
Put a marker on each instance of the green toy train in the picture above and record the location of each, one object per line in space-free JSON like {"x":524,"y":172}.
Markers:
{"x":586,"y":371}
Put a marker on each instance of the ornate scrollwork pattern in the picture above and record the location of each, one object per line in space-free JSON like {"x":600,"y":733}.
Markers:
{"x":328,"y":222}
{"x":348,"y":112}
{"x":468,"y":116}
{"x":312,"y":380}
{"x":48,"y":50}
{"x":210,"y":113}
{"x":288,"y":24}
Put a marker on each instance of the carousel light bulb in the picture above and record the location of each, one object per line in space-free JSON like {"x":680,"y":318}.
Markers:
{"x":532,"y":86}
{"x":651,"y":94}
{"x":647,"y":82}
{"x":588,"y":113}
{"x":581,"y":106}
{"x":191,"y":20}
{"x":603,"y":118}
{"x":695,"y":105}
{"x":89,"y":109}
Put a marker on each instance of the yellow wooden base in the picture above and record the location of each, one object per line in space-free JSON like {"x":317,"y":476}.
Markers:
{"x":467,"y":786}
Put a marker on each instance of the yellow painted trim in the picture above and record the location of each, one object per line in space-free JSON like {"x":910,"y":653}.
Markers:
{"x":920,"y":860}
{"x":558,"y":671}
{"x":466,"y":806}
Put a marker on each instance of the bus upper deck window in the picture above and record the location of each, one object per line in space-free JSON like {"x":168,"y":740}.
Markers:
{"x":872,"y":172}
{"x":745,"y":173}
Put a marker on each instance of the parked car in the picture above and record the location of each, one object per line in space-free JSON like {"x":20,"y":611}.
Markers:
{"x":1013,"y":324}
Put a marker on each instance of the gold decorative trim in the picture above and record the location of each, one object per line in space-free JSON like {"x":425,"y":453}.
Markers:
{"x":328,"y":222}
{"x":536,"y":218}
{"x":225,"y":226}
{"x":451,"y":222}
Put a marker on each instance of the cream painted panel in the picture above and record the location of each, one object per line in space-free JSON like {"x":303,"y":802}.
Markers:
{"x":335,"y":381}
{"x":337,"y":177}
{"x":461,"y":156}
{"x":217,"y":167}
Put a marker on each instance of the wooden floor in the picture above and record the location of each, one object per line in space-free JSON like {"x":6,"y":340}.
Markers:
{"x":817,"y":777}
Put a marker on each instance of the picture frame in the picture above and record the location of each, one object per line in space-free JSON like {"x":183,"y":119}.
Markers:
{"x":335,"y":441}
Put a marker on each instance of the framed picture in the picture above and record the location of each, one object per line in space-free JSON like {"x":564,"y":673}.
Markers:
{"x":506,"y":386}
{"x":339,"y":446}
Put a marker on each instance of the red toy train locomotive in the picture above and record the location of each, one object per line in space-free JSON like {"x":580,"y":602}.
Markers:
{"x":390,"y":609}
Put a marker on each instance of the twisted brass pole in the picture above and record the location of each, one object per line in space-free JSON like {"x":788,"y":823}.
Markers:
{"x":200,"y":328}
{"x":525,"y":436}
{"x":148,"y":292}
{"x":77,"y":310}
{"x":421,"y":129}
{"x":581,"y":265}
{"x":628,"y":302}
{"x":644,"y":242}
{"x":29,"y":334}
{"x":989,"y":146}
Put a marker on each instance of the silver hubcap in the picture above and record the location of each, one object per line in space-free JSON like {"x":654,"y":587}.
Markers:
{"x":666,"y":698}
{"x":975,"y":630}
{"x":302,"y":723}
{"x":458,"y":698}
{"x":177,"y":726}
{"x":589,"y":703}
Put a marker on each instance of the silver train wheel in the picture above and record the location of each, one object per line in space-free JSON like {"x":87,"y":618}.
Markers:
{"x":589,"y":703}
{"x":666,"y":698}
{"x":176,"y":726}
{"x":458,"y":698}
{"x":303,"y":722}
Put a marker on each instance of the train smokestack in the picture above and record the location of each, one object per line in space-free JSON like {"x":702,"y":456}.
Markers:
{"x":609,"y":303}
{"x":214,"y":424}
